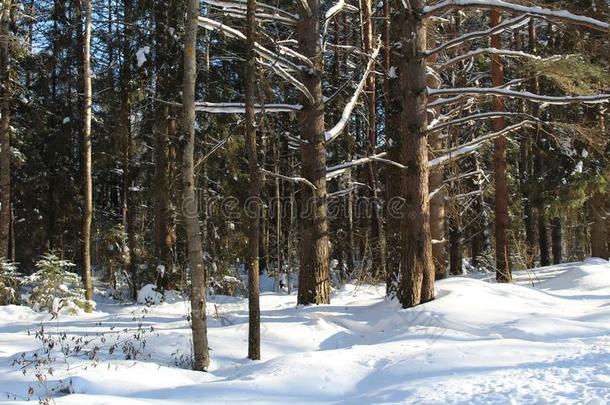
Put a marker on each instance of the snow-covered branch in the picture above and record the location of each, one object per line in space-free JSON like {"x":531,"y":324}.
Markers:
{"x":268,"y":54}
{"x":488,"y":51}
{"x":240,"y":108}
{"x":337,"y":170}
{"x":335,"y":131}
{"x":470,"y":147}
{"x":508,"y":24}
{"x":478,"y":117}
{"x":560,"y":15}
{"x":277,"y":13}
{"x":537,"y":98}
{"x":289,"y":178}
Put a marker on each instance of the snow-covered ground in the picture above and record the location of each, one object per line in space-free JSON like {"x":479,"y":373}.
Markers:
{"x":478,"y":343}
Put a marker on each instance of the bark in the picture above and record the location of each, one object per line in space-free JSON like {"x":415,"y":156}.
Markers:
{"x":455,"y":248}
{"x":314,"y":274}
{"x":503,"y":272}
{"x":543,"y":240}
{"x":128,"y":213}
{"x":5,"y":131}
{"x":417,"y":266}
{"x":525,"y":177}
{"x":87,"y":164}
{"x":556,"y":237}
{"x":164,"y":129}
{"x":393,"y":111}
{"x":597,"y":208}
{"x":377,"y":234}
{"x":254,"y":315}
{"x":190,"y":209}
{"x":437,"y":203}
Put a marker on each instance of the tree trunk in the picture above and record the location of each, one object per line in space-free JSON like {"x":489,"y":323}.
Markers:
{"x":455,"y":248}
{"x":393,"y":111}
{"x":254,"y":315}
{"x":128,"y":214}
{"x":314,"y":274}
{"x":437,"y":202}
{"x":164,"y":130}
{"x":378,"y":246}
{"x":556,"y":240}
{"x":5,"y":131}
{"x":597,"y":208}
{"x":543,"y":240}
{"x":417,"y":266}
{"x":87,"y":164}
{"x":503,"y":272}
{"x":525,"y":178}
{"x":201,"y":360}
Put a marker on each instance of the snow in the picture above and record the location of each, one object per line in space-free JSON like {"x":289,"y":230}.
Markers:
{"x":149,"y":295}
{"x":545,"y":339}
{"x":141,"y":55}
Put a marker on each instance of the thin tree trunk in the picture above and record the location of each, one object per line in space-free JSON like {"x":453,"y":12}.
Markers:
{"x":254,"y":315}
{"x":164,"y":130}
{"x":393,"y":111}
{"x":556,"y":240}
{"x":525,"y":177}
{"x":455,"y":247}
{"x":378,"y":245}
{"x":503,"y":272}
{"x":599,"y":243}
{"x":417,"y":266}
{"x":127,"y":214}
{"x":5,"y":131}
{"x":201,"y":360}
{"x":87,"y":164}
{"x":314,"y":274}
{"x":437,"y":202}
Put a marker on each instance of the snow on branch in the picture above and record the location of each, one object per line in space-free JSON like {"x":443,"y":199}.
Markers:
{"x":561,"y":15}
{"x":240,"y":108}
{"x":293,"y":80}
{"x":277,"y":13}
{"x":489,"y":51}
{"x":336,"y":171}
{"x":472,"y":146}
{"x":508,"y":24}
{"x":335,"y":131}
{"x":478,"y":117}
{"x":271,"y":56}
{"x":337,"y":7}
{"x":537,"y":98}
{"x":289,"y":178}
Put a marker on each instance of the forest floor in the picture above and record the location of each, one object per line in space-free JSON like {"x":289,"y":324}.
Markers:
{"x":544,"y":340}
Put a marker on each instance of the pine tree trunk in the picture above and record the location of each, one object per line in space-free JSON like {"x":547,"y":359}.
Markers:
{"x":556,"y":240}
{"x":128,"y":213}
{"x":503,"y":271}
{"x":417,"y":267}
{"x":314,"y":274}
{"x":455,"y":248}
{"x":87,"y":164}
{"x":5,"y":131}
{"x":392,"y":114}
{"x":201,"y":360}
{"x":378,"y":245}
{"x":597,"y":207}
{"x":437,"y":202}
{"x":163,"y":132}
{"x":525,"y":177}
{"x":543,"y":240}
{"x":254,"y":332}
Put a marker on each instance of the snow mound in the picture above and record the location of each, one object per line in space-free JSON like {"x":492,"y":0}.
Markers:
{"x":591,"y":276}
{"x":149,"y":295}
